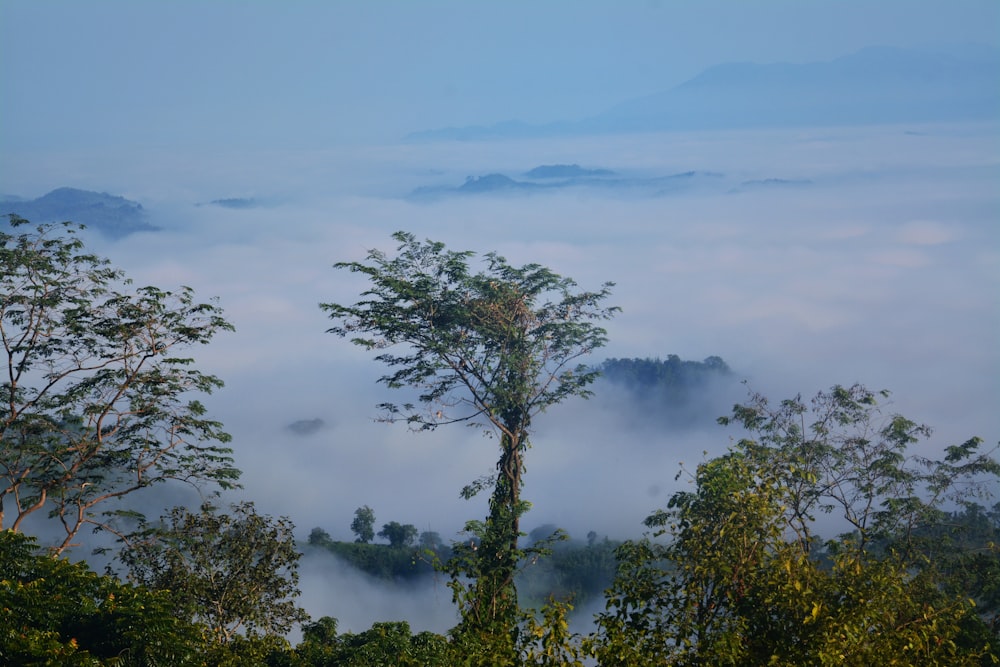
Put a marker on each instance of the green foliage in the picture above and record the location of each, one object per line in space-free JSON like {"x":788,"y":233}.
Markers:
{"x":399,"y":535}
{"x":563,"y":571}
{"x":96,"y":402}
{"x":744,"y":579}
{"x":842,"y":455}
{"x":490,"y":349}
{"x":56,"y":612}
{"x":386,"y":562}
{"x":272,"y":650}
{"x":672,"y":393}
{"x":236,"y":573}
{"x":571,"y":571}
{"x":672,"y":375}
{"x":964,"y":550}
{"x":545,"y":641}
{"x":431,"y":541}
{"x":384,"y":644}
{"x":363,"y":524}
{"x":548,"y":642}
{"x":479,"y":344}
{"x":319,"y":537}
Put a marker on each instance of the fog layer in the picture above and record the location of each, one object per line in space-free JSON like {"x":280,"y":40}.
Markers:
{"x":803,"y":257}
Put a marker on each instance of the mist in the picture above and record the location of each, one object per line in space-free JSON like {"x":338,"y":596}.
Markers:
{"x":360,"y":600}
{"x":803,"y":256}
{"x":882,"y":270}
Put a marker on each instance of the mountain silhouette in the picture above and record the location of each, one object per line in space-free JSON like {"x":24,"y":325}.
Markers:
{"x":113,"y":216}
{"x":873,"y":86}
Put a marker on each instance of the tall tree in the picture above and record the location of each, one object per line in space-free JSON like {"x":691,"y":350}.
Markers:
{"x":98,"y":397}
{"x":492,"y":347}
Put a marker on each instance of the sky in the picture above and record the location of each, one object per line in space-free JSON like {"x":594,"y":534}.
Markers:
{"x":146,"y":74}
{"x":885,"y":270}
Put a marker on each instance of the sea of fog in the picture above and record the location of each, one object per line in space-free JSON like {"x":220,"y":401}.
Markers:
{"x":803,"y":257}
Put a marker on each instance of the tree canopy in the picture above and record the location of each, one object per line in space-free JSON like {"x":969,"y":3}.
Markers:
{"x":56,"y":612}
{"x":234,"y":572}
{"x":398,"y":534}
{"x":99,"y":402}
{"x":819,"y":538}
{"x":363,"y":524}
{"x":745,"y":578}
{"x":491,"y":348}
{"x":99,"y":397}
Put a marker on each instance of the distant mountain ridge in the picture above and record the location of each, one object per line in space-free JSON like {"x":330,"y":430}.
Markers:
{"x":875,"y":85}
{"x":113,"y":216}
{"x":565,"y":171}
{"x":553,"y":178}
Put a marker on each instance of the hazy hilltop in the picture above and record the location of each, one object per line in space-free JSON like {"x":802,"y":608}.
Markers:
{"x":551,"y":178}
{"x":874,"y":85}
{"x":111,"y":215}
{"x":546,"y":171}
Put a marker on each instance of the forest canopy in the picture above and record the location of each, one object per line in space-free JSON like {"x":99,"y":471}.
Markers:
{"x":740,"y":567}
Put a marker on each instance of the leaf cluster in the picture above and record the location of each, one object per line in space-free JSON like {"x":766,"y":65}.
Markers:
{"x":744,"y":578}
{"x":363,"y":524}
{"x":494,"y":346}
{"x":98,"y":399}
{"x":234,"y":572}
{"x":56,"y":612}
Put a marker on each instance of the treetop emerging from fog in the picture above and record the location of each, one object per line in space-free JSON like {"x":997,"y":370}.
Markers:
{"x":469,"y":333}
{"x":492,"y":348}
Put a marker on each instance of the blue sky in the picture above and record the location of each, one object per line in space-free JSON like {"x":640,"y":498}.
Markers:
{"x":117,"y":74}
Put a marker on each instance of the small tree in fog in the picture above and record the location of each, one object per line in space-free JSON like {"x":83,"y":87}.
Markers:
{"x":364,"y":524}
{"x":319,"y":537}
{"x":430,"y":539}
{"x":398,"y":534}
{"x":490,"y":348}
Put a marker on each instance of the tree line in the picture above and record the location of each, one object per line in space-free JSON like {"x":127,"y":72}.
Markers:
{"x":572,"y":569}
{"x":98,"y":404}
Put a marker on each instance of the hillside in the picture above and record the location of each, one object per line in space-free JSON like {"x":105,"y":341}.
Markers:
{"x":113,"y":216}
{"x":554,"y":178}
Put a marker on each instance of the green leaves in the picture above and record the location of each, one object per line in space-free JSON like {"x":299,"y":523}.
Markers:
{"x":232,"y":572}
{"x":97,"y":398}
{"x":494,"y":348}
{"x":399,"y":535}
{"x":363,"y":524}
{"x":745,"y":579}
{"x":478,"y":345}
{"x":56,"y":612}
